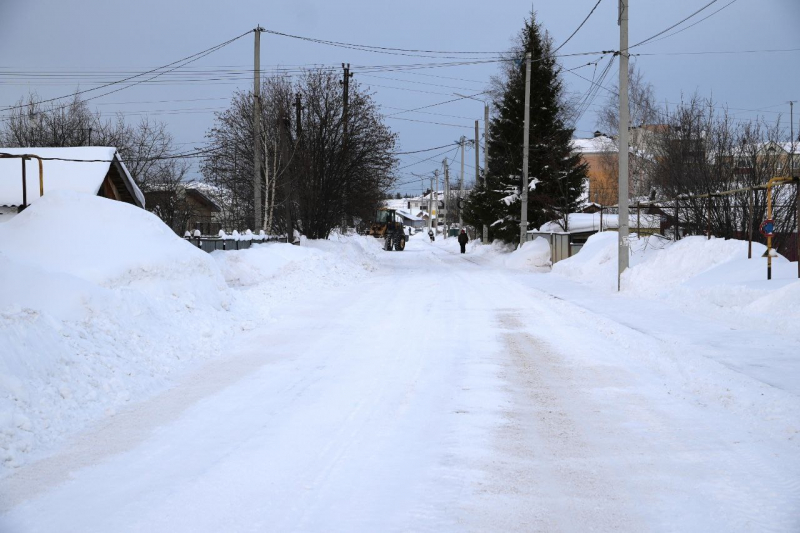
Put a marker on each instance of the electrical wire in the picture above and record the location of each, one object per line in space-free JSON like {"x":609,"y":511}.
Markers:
{"x":695,"y":23}
{"x":662,"y":32}
{"x":579,"y":27}
{"x":366,"y":47}
{"x":186,"y":60}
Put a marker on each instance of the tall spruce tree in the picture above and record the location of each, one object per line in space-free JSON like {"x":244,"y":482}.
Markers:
{"x":556,"y":174}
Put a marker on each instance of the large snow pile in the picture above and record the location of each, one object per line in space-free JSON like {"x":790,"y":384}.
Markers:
{"x":693,"y":271}
{"x":532,"y":256}
{"x":102,"y":304}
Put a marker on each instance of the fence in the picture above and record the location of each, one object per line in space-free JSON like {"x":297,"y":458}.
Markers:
{"x":235,"y":241}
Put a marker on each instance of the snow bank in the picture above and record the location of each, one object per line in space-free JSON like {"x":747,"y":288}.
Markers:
{"x":692,"y":272}
{"x":532,"y":256}
{"x":102,"y":304}
{"x":268,"y":271}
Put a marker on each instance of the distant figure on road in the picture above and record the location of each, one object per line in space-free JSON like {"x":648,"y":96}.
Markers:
{"x":430,"y":234}
{"x":463,"y":239}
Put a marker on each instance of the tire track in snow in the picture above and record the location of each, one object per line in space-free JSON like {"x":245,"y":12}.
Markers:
{"x":545,"y":458}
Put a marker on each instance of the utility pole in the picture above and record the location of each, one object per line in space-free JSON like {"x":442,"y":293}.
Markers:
{"x":257,"y":219}
{"x":345,"y":98}
{"x":345,"y":82}
{"x":461,"y":141}
{"x":624,"y":120}
{"x":485,"y":160}
{"x":446,"y":197}
{"x":266,"y":186}
{"x":298,"y":117}
{"x":477,"y":156}
{"x":797,"y":187}
{"x":523,"y":224}
{"x":287,"y":188}
{"x":436,"y":197}
{"x":430,"y":209}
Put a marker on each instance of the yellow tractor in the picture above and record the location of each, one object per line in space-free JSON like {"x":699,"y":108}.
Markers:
{"x":388,"y":225}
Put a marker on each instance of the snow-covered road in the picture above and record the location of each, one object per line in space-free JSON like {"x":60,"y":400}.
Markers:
{"x":442,"y":394}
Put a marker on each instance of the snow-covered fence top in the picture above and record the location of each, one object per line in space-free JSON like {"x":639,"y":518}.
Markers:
{"x":232,"y":241}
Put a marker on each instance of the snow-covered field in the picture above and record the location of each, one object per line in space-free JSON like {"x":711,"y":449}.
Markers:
{"x":148,"y":386}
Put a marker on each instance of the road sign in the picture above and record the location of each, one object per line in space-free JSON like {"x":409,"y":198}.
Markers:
{"x":767,"y":228}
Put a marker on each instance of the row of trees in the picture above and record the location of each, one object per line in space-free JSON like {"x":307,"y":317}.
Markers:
{"x":696,"y":148}
{"x":314,"y":178}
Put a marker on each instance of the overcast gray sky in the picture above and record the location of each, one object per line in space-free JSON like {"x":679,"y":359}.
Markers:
{"x":94,"y":41}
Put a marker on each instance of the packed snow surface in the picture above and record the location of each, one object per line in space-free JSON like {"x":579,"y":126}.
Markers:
{"x":333,"y":386}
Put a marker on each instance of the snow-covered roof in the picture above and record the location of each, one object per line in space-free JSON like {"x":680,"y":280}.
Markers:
{"x":85,"y":172}
{"x":407,"y":214}
{"x":580,"y":222}
{"x":593,"y":145}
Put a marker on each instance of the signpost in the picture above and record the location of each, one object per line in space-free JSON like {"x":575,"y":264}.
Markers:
{"x":767,"y":229}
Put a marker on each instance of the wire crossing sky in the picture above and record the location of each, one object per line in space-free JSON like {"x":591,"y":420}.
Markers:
{"x":415,"y":57}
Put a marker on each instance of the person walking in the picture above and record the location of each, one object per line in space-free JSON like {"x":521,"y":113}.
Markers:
{"x":463,"y":239}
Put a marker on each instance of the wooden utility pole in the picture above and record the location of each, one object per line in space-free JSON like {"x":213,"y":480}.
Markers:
{"x":298,"y":117}
{"x":345,"y":82}
{"x":345,"y":98}
{"x":624,"y":119}
{"x":286,"y":184}
{"x":257,"y":219}
{"x":523,"y":223}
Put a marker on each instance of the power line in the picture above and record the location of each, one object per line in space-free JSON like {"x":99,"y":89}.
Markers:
{"x":579,"y":27}
{"x":429,"y":158}
{"x":423,"y":150}
{"x":367,"y":48}
{"x":696,"y":23}
{"x":436,"y":104}
{"x":774,"y":50}
{"x":187,"y":60}
{"x":662,"y":32}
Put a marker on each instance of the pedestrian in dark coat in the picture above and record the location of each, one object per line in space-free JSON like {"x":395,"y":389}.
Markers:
{"x":463,"y":239}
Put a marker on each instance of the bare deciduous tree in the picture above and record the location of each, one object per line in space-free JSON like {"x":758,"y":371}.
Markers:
{"x":644,"y":118}
{"x":316,"y":178}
